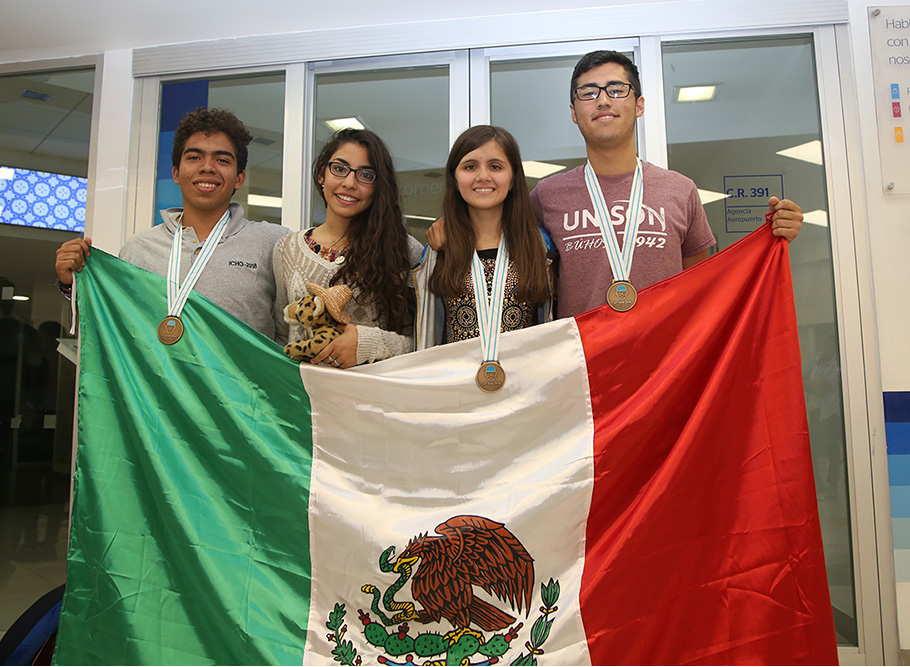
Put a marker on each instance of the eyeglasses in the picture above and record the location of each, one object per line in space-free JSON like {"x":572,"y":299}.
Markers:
{"x":365,"y":175}
{"x":614,"y":89}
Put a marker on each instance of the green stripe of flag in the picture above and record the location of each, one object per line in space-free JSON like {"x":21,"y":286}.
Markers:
{"x":163,"y":567}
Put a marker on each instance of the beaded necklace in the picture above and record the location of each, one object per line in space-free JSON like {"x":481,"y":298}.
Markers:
{"x":329,"y":254}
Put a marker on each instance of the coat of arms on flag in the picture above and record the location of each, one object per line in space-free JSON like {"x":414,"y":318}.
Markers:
{"x":640,"y":492}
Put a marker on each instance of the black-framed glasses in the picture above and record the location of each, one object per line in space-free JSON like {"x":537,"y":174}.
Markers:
{"x":365,"y":175}
{"x":614,"y":89}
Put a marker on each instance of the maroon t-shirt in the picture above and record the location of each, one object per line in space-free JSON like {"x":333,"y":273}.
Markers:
{"x":673,"y":226}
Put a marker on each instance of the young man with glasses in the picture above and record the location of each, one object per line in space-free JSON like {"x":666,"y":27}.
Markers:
{"x":673,"y":234}
{"x":209,"y":164}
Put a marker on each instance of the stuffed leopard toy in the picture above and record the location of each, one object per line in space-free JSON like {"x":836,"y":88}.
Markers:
{"x":319,"y":312}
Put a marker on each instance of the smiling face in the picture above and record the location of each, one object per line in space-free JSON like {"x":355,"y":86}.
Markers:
{"x":484,"y":177}
{"x":207,"y":174}
{"x":347,"y":197}
{"x":605,"y":121}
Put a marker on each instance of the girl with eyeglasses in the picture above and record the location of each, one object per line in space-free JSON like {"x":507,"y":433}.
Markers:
{"x":363,"y":244}
{"x":486,"y":198}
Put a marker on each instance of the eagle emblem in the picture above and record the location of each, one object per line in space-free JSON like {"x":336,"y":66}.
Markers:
{"x":468,"y":551}
{"x":467,"y":554}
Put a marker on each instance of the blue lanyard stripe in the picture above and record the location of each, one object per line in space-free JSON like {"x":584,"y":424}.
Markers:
{"x":178,"y":294}
{"x":620,"y":260}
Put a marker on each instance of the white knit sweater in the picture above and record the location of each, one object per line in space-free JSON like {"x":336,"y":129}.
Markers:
{"x":295,"y":265}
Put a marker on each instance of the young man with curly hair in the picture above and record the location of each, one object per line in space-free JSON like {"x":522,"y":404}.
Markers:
{"x":209,"y":164}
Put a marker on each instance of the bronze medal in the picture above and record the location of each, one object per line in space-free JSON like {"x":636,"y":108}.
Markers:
{"x":621,"y":295}
{"x":490,"y":376}
{"x":170,"y":330}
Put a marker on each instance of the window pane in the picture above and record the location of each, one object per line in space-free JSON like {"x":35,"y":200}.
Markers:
{"x":759,"y":136}
{"x":409,"y":110}
{"x":45,"y":126}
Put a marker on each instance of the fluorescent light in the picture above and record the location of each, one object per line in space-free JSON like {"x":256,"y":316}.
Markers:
{"x":695,"y":93}
{"x":6,"y":173}
{"x":540,"y":169}
{"x":263,"y":200}
{"x":344,"y":123}
{"x":817,"y":217}
{"x":708,"y":196}
{"x":808,"y":152}
{"x":20,"y":297}
{"x":418,"y":217}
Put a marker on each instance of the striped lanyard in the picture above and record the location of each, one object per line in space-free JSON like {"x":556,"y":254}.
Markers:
{"x":178,"y":294}
{"x":620,"y":260}
{"x":489,"y":309}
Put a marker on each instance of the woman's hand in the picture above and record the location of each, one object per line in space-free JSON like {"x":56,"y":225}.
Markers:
{"x":341,"y":352}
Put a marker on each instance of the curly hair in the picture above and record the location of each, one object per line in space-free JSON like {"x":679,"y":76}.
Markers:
{"x":597,"y":58}
{"x":378,"y":260}
{"x":519,"y":224}
{"x":210,"y":121}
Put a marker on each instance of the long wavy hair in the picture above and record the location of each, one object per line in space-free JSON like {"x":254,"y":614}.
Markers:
{"x":377,"y":259}
{"x":519,"y":224}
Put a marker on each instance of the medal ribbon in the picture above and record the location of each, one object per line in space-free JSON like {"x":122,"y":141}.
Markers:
{"x":177,"y":294}
{"x":489,"y":309}
{"x":620,"y":260}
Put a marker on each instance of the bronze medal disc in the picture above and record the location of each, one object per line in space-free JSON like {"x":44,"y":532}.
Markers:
{"x":621,"y":296}
{"x":170,"y":330}
{"x":490,"y":376}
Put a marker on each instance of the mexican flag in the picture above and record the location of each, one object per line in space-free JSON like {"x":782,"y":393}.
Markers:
{"x":639,"y":492}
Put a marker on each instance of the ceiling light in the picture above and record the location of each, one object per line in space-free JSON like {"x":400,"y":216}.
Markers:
{"x":344,"y":124}
{"x":20,"y":297}
{"x":535,"y":169}
{"x":263,"y":200}
{"x":419,"y":217}
{"x":808,"y":152}
{"x":708,"y":196}
{"x":695,"y":93}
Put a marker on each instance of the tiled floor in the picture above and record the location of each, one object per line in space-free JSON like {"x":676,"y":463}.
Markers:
{"x":32,"y":556}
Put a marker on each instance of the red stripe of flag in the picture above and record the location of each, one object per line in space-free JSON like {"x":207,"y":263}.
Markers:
{"x":703,"y":540}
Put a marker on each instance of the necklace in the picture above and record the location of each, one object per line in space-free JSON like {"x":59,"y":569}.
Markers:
{"x":330,"y":253}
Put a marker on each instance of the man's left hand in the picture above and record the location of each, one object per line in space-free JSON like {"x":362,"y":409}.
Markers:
{"x":787,"y":218}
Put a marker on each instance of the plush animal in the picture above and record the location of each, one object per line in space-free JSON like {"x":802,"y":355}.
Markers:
{"x":319,"y":312}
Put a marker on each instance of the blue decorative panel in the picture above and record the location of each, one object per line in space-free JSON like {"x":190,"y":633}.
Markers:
{"x":41,"y":199}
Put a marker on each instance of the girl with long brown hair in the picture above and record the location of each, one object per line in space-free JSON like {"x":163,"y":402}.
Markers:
{"x":363,"y":244}
{"x":486,"y":199}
